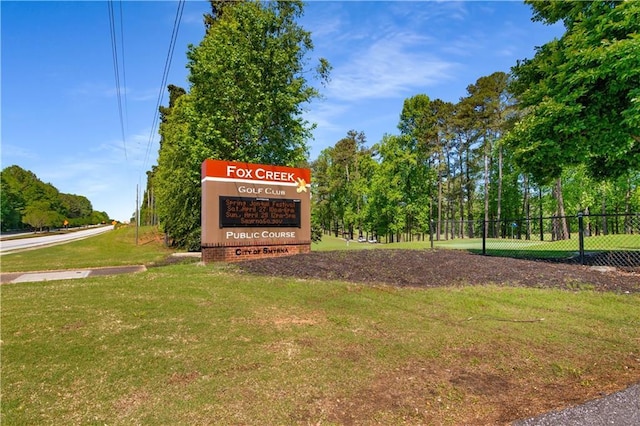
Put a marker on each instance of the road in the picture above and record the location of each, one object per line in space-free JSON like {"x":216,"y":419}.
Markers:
{"x":10,"y":246}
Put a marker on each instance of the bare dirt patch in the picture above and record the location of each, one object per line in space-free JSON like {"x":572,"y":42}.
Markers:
{"x":426,"y":268}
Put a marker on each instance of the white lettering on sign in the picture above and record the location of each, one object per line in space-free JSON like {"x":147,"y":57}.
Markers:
{"x":271,"y":191}
{"x":245,"y":190}
{"x":240,"y":173}
{"x":258,"y":191}
{"x":261,"y":174}
{"x":230,"y":235}
{"x":271,"y":175}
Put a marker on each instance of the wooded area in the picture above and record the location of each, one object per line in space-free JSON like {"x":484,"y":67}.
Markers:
{"x":558,"y":135}
{"x":447,"y":181}
{"x":27,"y":202}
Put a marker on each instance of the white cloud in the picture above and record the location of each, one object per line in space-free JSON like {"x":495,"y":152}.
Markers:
{"x":15,"y":153}
{"x":324,"y":114}
{"x":389,"y":67}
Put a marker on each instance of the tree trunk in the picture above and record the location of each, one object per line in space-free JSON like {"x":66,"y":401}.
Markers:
{"x":469,"y":187}
{"x":563,"y":228}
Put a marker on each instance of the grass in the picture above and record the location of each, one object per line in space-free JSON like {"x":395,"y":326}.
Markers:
{"x":188,"y":344}
{"x":113,"y":248}
{"x":331,"y":243}
{"x":594,"y":243}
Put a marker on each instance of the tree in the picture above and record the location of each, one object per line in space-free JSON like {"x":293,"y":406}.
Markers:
{"x":11,"y":204}
{"x":40,"y":214}
{"x":422,"y":130}
{"x":248,"y":87}
{"x":348,"y":182}
{"x":581,"y":93}
{"x":176,"y":180}
{"x":387,"y":208}
{"x":24,"y":195}
{"x":489,"y":113}
{"x":98,"y":217}
{"x":341,"y":184}
{"x":77,"y":208}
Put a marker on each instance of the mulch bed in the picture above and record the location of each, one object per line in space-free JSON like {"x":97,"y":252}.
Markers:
{"x":438,"y":268}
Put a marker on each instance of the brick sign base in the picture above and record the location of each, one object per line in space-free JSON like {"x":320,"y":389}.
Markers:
{"x":240,"y":253}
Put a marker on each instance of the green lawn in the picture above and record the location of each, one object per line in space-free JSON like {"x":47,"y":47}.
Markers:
{"x":113,"y":248}
{"x":118,"y":247}
{"x":191,"y":344}
{"x":601,"y":242}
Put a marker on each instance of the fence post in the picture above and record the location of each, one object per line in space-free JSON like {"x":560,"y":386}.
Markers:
{"x":541,"y":229}
{"x":484,"y":237}
{"x":581,"y":236}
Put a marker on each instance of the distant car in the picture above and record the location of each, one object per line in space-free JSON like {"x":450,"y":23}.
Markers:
{"x":362,"y":240}
{"x":373,"y":240}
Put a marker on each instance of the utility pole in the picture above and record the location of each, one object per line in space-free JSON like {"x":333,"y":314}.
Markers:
{"x":137,"y":213}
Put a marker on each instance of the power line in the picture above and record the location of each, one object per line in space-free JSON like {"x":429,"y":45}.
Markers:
{"x":124,"y":74}
{"x":165,"y":74}
{"x":116,"y":69}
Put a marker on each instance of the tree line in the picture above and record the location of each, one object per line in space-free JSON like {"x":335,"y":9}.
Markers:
{"x":559,"y":134}
{"x":448,"y":173}
{"x":27,"y":202}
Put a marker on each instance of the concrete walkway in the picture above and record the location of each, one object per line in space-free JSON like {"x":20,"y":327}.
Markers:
{"x":25,"y":277}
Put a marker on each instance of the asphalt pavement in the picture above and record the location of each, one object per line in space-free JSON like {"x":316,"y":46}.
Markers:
{"x":19,"y":244}
{"x":619,"y":409}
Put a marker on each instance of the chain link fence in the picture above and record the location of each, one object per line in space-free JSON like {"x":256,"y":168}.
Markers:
{"x":597,"y":240}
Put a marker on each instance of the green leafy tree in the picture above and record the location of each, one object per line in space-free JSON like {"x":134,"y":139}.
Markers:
{"x":40,"y":215}
{"x":581,"y":93}
{"x":322,"y":206}
{"x":11,"y":205}
{"x":26,"y":196}
{"x":248,"y":82}
{"x":348,"y":183}
{"x":419,"y":126}
{"x":341,"y":177}
{"x":76,"y":208}
{"x":29,"y":188}
{"x":176,"y":181}
{"x":248,"y":88}
{"x":489,"y":114}
{"x":98,"y":217}
{"x":24,"y":189}
{"x":387,"y":209}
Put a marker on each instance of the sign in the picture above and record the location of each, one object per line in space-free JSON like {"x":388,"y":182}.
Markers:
{"x":243,"y":211}
{"x":254,"y":210}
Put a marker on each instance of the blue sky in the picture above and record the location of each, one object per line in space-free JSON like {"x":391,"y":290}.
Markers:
{"x":59,"y":109}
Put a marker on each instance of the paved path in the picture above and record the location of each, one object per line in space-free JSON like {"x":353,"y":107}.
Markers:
{"x":24,"y":277}
{"x":11,"y":246}
{"x":619,"y":409}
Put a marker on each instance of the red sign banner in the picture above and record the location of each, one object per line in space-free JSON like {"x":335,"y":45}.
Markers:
{"x":232,"y":171}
